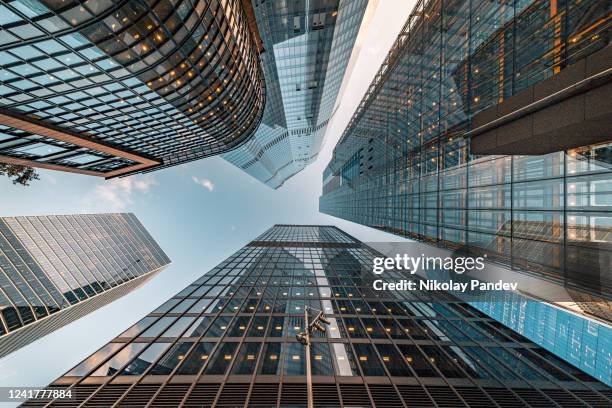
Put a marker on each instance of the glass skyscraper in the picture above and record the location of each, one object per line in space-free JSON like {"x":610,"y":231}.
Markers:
{"x":108,"y":88}
{"x":308,"y":44}
{"x":55,"y":269}
{"x":229,"y":340}
{"x":114,"y":88}
{"x":404,"y":166}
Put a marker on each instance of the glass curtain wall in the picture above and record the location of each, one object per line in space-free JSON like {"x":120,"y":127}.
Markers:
{"x":228,"y":339}
{"x":403,"y":166}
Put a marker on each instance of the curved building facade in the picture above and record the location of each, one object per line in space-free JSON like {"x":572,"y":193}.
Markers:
{"x":109,"y":88}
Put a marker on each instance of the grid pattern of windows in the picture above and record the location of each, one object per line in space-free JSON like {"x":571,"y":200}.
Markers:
{"x":49,"y":263}
{"x":402,"y":165}
{"x":172,"y":81}
{"x":308,"y":45}
{"x":306,"y":233}
{"x":228,"y":339}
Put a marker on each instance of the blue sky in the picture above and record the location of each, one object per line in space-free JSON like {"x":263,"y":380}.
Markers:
{"x":199,"y":213}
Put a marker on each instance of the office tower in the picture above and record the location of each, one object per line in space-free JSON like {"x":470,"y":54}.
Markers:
{"x":307,"y":46}
{"x":229,"y":340}
{"x":406,"y":162}
{"x":110,"y":88}
{"x":55,"y":269}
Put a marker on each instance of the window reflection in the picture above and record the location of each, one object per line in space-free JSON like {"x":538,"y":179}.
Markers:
{"x":258,"y":326}
{"x":200,"y":291}
{"x":417,"y":361}
{"x":138,"y":327}
{"x":119,"y":360}
{"x":213,"y":307}
{"x":393,"y":360}
{"x":295,"y":324}
{"x":567,"y":368}
{"x":165,"y":307}
{"x":360,"y":307}
{"x":542,"y":364}
{"x":373,"y":328}
{"x":354,"y":328}
{"x":345,"y":361}
{"x":178,"y":327}
{"x":246,"y":359}
{"x":392,"y":328}
{"x":238,"y":327}
{"x":249,"y":306}
{"x":222,"y":359}
{"x":517,"y":366}
{"x":368,"y":360}
{"x":344,"y":307}
{"x":158,"y":327}
{"x":413,"y":329}
{"x":218,"y":327}
{"x":171,"y":359}
{"x":265,"y":306}
{"x":196,"y":359}
{"x":270,"y":365}
{"x":485,"y":359}
{"x":333,"y":328}
{"x":95,"y":359}
{"x":281,"y":306}
{"x":140,"y":364}
{"x":200,"y":306}
{"x":474,"y":333}
{"x":198,"y":327}
{"x":450,"y":330}
{"x":436,"y":357}
{"x":183,"y":306}
{"x":295,"y":357}
{"x":320,"y":359}
{"x":186,"y":292}
{"x":276,"y":327}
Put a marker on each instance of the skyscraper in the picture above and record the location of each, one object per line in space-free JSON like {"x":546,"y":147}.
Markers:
{"x":307,"y":45}
{"x":55,"y":269}
{"x":406,"y":164}
{"x":111,"y":88}
{"x":229,"y":339}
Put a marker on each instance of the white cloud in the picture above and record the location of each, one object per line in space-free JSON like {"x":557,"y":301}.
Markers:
{"x":206,"y":183}
{"x":118,"y":193}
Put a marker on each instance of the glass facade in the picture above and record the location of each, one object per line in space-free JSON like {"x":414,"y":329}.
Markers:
{"x":228,"y":339}
{"x":108,"y":88}
{"x":308,"y":45}
{"x":49,"y":265}
{"x":582,"y":342}
{"x":403,"y":166}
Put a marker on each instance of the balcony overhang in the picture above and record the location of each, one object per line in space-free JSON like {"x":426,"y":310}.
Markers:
{"x":569,"y":110}
{"x":36,"y":126}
